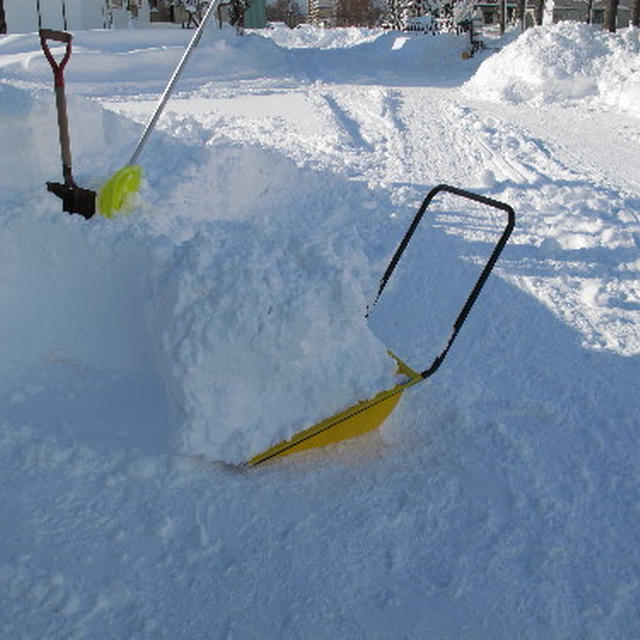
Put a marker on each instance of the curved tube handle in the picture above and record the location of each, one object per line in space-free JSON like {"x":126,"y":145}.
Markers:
{"x":475,"y":292}
{"x":57,"y":67}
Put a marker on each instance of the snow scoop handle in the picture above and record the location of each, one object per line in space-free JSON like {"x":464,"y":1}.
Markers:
{"x":164,"y":98}
{"x":115,"y":193}
{"x":475,"y":292}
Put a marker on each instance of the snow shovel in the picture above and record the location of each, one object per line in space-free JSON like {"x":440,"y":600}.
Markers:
{"x":369,"y":414}
{"x":115,"y":193}
{"x":74,"y":198}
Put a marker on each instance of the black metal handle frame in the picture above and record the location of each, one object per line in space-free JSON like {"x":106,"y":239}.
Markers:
{"x":475,"y":292}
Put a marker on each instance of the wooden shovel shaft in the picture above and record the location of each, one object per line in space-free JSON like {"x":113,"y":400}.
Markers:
{"x":61,"y":100}
{"x":63,"y":127}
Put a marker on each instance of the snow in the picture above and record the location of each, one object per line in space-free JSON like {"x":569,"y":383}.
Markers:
{"x":563,"y":63}
{"x":248,"y":315}
{"x":499,"y":499}
{"x":307,"y":36}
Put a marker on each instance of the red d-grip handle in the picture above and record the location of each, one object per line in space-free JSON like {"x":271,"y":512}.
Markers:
{"x":58,"y":67}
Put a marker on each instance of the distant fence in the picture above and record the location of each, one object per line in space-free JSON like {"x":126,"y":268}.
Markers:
{"x":429,"y":24}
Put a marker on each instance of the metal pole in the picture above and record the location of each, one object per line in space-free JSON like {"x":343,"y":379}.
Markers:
{"x":172,"y":81}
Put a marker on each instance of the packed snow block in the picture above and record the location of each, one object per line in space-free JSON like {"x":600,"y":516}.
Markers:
{"x":16,"y":133}
{"x":260,"y":334}
{"x":85,"y":290}
{"x":30,"y":130}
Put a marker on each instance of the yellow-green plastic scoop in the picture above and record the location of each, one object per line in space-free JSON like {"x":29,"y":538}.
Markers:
{"x":116,"y":193}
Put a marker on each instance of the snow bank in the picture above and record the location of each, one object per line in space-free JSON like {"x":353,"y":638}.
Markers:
{"x":128,"y":63}
{"x":307,"y":36}
{"x":244,"y":294}
{"x":564,"y":62}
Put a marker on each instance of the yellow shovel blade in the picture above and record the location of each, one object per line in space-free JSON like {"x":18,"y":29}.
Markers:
{"x":354,"y":421}
{"x":115,"y":193}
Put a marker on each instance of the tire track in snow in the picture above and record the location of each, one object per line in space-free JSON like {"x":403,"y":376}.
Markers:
{"x":351,"y":126}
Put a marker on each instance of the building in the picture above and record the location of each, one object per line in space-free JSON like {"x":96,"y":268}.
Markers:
{"x":24,"y":16}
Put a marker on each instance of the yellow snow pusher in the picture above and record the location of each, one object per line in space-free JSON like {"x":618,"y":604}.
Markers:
{"x":369,"y":414}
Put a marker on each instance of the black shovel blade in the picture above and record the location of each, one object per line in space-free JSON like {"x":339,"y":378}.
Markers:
{"x":74,"y":198}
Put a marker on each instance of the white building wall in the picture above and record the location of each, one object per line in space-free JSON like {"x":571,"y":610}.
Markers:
{"x":22,"y":15}
{"x":85,"y":14}
{"x":51,"y":14}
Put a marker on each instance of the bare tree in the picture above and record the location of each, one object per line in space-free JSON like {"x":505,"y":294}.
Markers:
{"x":397,"y":11}
{"x":3,"y":20}
{"x":611,"y":15}
{"x":236,"y":11}
{"x":590,"y":11}
{"x":538,"y":11}
{"x":286,"y":11}
{"x":357,"y":13}
{"x":520,"y":13}
{"x":634,"y":18}
{"x":503,"y":15}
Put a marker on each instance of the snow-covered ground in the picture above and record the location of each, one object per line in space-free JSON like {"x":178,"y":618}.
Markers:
{"x":500,"y":500}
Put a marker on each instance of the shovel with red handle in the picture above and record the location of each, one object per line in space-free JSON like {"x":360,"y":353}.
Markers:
{"x":74,"y":198}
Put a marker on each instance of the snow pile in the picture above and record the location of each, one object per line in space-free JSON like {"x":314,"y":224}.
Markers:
{"x":308,"y":36}
{"x":131,"y":59}
{"x":16,"y":134}
{"x":563,"y":62}
{"x":262,"y":334}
